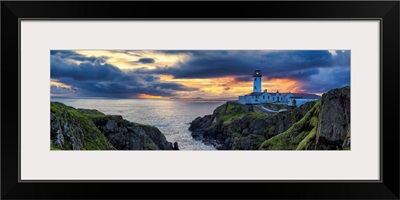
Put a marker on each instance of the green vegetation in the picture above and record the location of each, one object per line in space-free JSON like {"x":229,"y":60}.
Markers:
{"x":97,"y":143}
{"x":271,"y":130}
{"x":314,"y":121}
{"x":348,"y":135}
{"x":84,"y":129}
{"x":300,"y":132}
{"x":150,"y":146}
{"x":310,"y":137}
{"x":78,"y":129}
{"x":93,"y":114}
{"x":53,"y":147}
{"x":144,"y":125}
{"x":255,"y":115}
{"x":229,"y":112}
{"x":256,"y":141}
{"x":298,"y":135}
{"x":293,"y":117}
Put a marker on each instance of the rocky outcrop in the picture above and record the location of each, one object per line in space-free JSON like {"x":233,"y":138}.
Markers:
{"x":72,"y":130}
{"x":322,"y":124}
{"x":334,"y":120}
{"x":199,"y":125}
{"x":236,"y":126}
{"x":82,"y":129}
{"x":325,"y":127}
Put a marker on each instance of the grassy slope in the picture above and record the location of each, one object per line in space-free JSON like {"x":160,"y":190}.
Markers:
{"x":230,"y":113}
{"x":80,"y":121}
{"x":298,"y":136}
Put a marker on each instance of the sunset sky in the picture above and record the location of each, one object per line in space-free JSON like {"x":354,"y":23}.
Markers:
{"x":223,"y":74}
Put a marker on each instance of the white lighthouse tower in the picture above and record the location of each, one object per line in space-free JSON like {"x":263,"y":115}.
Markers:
{"x":257,"y":81}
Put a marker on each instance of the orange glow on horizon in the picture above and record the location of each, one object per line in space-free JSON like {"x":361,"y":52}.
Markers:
{"x":283,"y":85}
{"x":228,"y":87}
{"x":146,"y":96}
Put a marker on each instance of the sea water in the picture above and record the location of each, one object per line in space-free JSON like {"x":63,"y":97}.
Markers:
{"x":171,"y":116}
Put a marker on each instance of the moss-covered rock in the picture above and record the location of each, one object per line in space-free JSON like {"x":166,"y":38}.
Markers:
{"x":83,"y":129}
{"x":321,"y":124}
{"x":236,"y":126}
{"x":296,"y":135}
{"x":72,"y":130}
{"x":346,"y":142}
{"x":325,"y":127}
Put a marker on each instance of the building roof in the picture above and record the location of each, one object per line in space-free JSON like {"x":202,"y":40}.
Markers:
{"x":261,"y":93}
{"x":256,"y":94}
{"x":284,"y":94}
{"x":295,"y":95}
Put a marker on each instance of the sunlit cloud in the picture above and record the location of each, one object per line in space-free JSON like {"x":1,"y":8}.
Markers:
{"x":59,"y":84}
{"x":333,"y":52}
{"x":60,"y":89}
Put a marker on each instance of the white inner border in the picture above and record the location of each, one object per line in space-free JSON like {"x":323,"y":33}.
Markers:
{"x":39,"y":163}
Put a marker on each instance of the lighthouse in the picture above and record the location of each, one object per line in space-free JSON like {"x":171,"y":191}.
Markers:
{"x":260,"y":97}
{"x":257,"y":80}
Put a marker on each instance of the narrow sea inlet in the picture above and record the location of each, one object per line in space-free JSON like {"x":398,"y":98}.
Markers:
{"x":171,"y":116}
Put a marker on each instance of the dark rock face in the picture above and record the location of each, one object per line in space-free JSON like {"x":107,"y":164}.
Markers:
{"x":82,"y":129}
{"x":199,"y":125}
{"x":176,"y":147}
{"x":125,"y":135}
{"x":334,"y":120}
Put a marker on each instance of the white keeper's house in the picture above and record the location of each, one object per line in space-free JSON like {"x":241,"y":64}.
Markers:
{"x":258,"y":97}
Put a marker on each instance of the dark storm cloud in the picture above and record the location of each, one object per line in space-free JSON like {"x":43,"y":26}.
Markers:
{"x":210,"y":64}
{"x":95,"y":77}
{"x":300,"y":65}
{"x":150,"y":78}
{"x":295,"y":74}
{"x":145,"y":60}
{"x":328,"y":79}
{"x":121,"y":89}
{"x":66,"y":54}
{"x":172,"y":86}
{"x":85,"y":71}
{"x":243,"y":78}
{"x":188,"y":52}
{"x":58,"y":90}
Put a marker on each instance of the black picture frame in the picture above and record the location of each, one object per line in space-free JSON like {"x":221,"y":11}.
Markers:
{"x":386,"y":11}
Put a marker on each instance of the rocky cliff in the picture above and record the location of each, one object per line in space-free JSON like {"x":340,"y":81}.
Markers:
{"x":333,"y":131}
{"x":82,"y":129}
{"x":322,"y":124}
